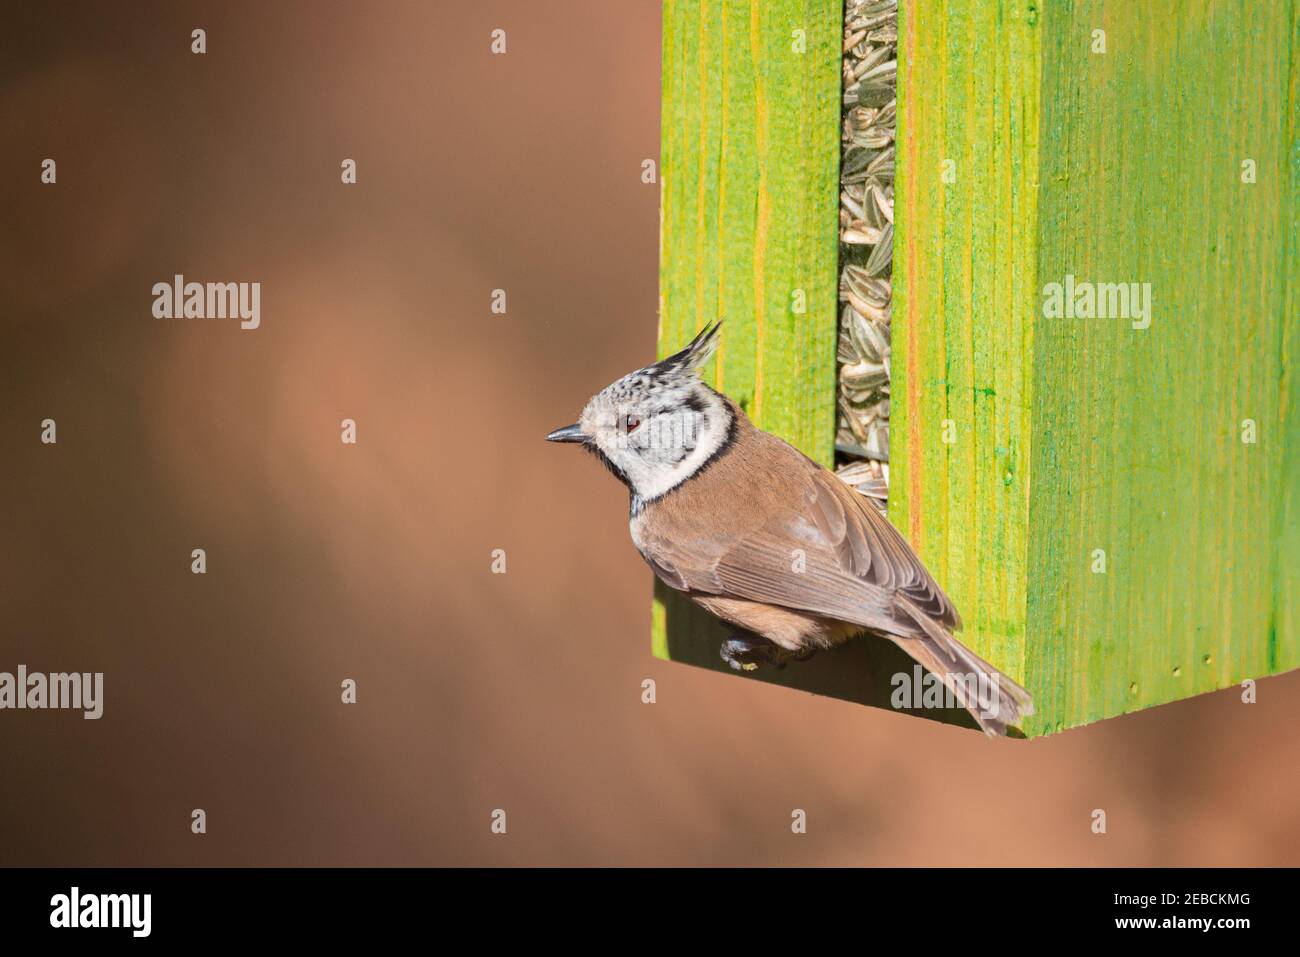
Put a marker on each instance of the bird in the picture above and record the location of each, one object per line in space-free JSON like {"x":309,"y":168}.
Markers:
{"x":775,"y":545}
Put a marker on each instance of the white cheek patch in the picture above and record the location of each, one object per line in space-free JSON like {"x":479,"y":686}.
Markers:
{"x":669,"y":437}
{"x":650,"y":479}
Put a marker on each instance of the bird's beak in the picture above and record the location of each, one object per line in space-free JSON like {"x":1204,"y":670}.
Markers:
{"x":570,"y":433}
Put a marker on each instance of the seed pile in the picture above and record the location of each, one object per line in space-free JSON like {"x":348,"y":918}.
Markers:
{"x":866,"y":244}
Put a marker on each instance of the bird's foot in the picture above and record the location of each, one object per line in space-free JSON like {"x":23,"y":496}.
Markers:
{"x":747,"y":652}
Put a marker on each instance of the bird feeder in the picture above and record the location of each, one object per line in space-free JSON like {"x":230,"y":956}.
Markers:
{"x":1094,"y":432}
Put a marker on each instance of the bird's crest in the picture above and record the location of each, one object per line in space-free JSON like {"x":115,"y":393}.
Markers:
{"x":691,"y":359}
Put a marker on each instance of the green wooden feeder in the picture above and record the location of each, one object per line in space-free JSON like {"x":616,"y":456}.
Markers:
{"x":1113,"y":503}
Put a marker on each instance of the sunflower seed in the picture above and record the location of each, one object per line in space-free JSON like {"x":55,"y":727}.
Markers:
{"x":883,"y":255}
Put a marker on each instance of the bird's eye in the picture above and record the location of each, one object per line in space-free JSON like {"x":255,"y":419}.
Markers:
{"x":631,"y":422}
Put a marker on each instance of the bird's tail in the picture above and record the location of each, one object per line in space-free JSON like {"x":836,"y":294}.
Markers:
{"x":994,"y":700}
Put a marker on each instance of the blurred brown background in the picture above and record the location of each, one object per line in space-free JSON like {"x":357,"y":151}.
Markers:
{"x":326,"y":561}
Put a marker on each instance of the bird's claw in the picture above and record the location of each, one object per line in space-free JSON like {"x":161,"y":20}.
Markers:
{"x":744,"y":654}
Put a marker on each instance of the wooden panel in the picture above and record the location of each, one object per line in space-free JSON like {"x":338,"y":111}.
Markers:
{"x":1139,"y":430}
{"x":1074,"y":435}
{"x":964,"y":296}
{"x":750,"y":175}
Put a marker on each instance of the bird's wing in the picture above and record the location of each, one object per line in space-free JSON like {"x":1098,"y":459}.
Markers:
{"x":873,"y":550}
{"x":836,"y":556}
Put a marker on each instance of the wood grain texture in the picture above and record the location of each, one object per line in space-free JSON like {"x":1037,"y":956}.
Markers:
{"x":964,"y":286}
{"x":1078,"y":435}
{"x":750,"y":179}
{"x":1140,"y":431}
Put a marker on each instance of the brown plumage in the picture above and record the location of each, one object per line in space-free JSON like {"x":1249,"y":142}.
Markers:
{"x":774,"y":544}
